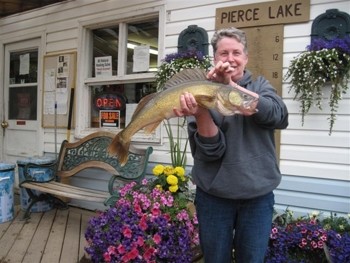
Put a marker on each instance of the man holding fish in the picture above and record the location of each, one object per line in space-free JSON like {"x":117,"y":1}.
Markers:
{"x":235,"y":166}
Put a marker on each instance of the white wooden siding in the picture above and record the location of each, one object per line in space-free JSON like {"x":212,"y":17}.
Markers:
{"x":316,"y":165}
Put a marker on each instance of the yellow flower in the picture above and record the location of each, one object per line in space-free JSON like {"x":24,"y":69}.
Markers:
{"x":172,"y":180}
{"x":168,"y":170}
{"x":180,"y":171}
{"x":158,"y":186}
{"x":173,"y":188}
{"x":158,"y":169}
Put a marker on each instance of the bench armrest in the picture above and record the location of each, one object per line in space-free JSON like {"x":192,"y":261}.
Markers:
{"x":135,"y":166}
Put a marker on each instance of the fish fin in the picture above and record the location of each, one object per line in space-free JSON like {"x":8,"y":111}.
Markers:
{"x":186,"y":75}
{"x":142,"y":104}
{"x":119,"y":148}
{"x":151,"y":127}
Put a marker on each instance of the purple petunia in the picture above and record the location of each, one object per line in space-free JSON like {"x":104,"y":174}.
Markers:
{"x":185,"y":55}
{"x":341,"y":44}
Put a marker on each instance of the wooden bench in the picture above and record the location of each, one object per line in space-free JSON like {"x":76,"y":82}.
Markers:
{"x":89,"y":152}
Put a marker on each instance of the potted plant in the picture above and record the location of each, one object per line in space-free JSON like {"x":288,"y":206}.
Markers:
{"x":148,"y":224}
{"x":324,"y":62}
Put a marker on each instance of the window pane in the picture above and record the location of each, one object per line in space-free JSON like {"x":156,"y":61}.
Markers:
{"x":116,"y":100}
{"x":24,"y":67}
{"x":142,"y":34}
{"x":23,"y":102}
{"x":105,"y":44}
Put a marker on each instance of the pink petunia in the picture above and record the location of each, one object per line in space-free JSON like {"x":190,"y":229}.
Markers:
{"x":107,"y":257}
{"x":127,"y":232}
{"x":143,"y":223}
{"x":156,"y":211}
{"x":140,"y":241}
{"x":121,"y":249}
{"x":157,"y":238}
{"x":149,"y":253}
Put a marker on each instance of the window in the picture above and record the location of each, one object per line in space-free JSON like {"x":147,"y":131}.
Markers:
{"x":23,"y":85}
{"x":121,"y":57}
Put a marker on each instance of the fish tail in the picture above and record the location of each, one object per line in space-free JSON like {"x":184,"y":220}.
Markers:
{"x":120,"y":148}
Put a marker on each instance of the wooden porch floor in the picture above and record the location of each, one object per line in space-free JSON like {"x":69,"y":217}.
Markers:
{"x":54,"y":236}
{"x":48,"y":237}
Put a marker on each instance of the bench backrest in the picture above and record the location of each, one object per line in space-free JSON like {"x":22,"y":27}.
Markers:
{"x":91,"y":152}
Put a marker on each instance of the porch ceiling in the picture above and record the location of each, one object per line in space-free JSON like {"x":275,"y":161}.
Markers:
{"x":10,"y":7}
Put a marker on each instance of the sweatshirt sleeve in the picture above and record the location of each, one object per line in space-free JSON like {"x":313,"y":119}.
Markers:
{"x":205,"y":148}
{"x":272,"y":111}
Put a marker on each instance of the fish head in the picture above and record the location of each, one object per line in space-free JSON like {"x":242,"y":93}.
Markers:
{"x":232,"y":101}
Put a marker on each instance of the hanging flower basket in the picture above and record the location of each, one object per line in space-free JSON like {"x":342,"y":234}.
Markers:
{"x":175,"y":62}
{"x":324,"y":62}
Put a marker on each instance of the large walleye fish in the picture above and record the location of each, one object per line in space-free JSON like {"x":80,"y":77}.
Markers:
{"x":154,"y":108}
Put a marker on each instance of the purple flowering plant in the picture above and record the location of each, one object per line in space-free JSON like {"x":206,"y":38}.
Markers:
{"x":309,"y":240}
{"x":324,"y":62}
{"x":146,"y":225}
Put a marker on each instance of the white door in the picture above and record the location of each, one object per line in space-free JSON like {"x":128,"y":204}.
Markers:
{"x":21,"y":96}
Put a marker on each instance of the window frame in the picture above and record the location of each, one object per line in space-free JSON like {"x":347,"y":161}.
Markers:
{"x":83,"y":98}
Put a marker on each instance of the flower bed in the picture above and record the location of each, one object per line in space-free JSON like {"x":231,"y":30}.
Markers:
{"x":309,"y":240}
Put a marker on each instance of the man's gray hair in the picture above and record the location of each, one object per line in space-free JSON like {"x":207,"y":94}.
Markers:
{"x":231,"y":32}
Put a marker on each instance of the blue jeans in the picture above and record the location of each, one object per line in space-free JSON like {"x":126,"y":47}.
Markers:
{"x":242,"y":225}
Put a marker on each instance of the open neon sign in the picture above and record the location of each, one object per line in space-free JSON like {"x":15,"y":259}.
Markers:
{"x":110,"y":102}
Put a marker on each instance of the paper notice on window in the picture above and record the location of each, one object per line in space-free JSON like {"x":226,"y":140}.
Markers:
{"x":141,"y":59}
{"x":24,"y":62}
{"x":103,"y":66}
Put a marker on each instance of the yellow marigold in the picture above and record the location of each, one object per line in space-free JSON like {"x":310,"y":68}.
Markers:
{"x":172,"y":179}
{"x":158,"y":186}
{"x":168,"y":170}
{"x":180,"y":171}
{"x":158,"y":169}
{"x":173,"y":188}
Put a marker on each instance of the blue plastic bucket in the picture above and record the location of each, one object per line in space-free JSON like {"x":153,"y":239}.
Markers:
{"x":40,"y":174}
{"x":7,"y":180}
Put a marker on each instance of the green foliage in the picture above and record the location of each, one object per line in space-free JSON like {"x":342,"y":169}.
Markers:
{"x":177,"y":152}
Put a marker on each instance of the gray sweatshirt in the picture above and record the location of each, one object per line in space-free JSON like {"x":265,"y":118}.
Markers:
{"x":240,"y":161}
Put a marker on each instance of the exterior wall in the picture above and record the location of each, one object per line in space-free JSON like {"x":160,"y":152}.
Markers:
{"x":316,"y":166}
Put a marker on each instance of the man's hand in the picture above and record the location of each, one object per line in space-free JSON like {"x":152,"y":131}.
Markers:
{"x":188,"y":106}
{"x":221,"y":72}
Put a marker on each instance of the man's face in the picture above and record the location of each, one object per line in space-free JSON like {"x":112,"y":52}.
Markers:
{"x":231,"y":51}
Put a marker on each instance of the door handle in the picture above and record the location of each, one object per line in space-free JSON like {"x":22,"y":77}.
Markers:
{"x":4,"y":124}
